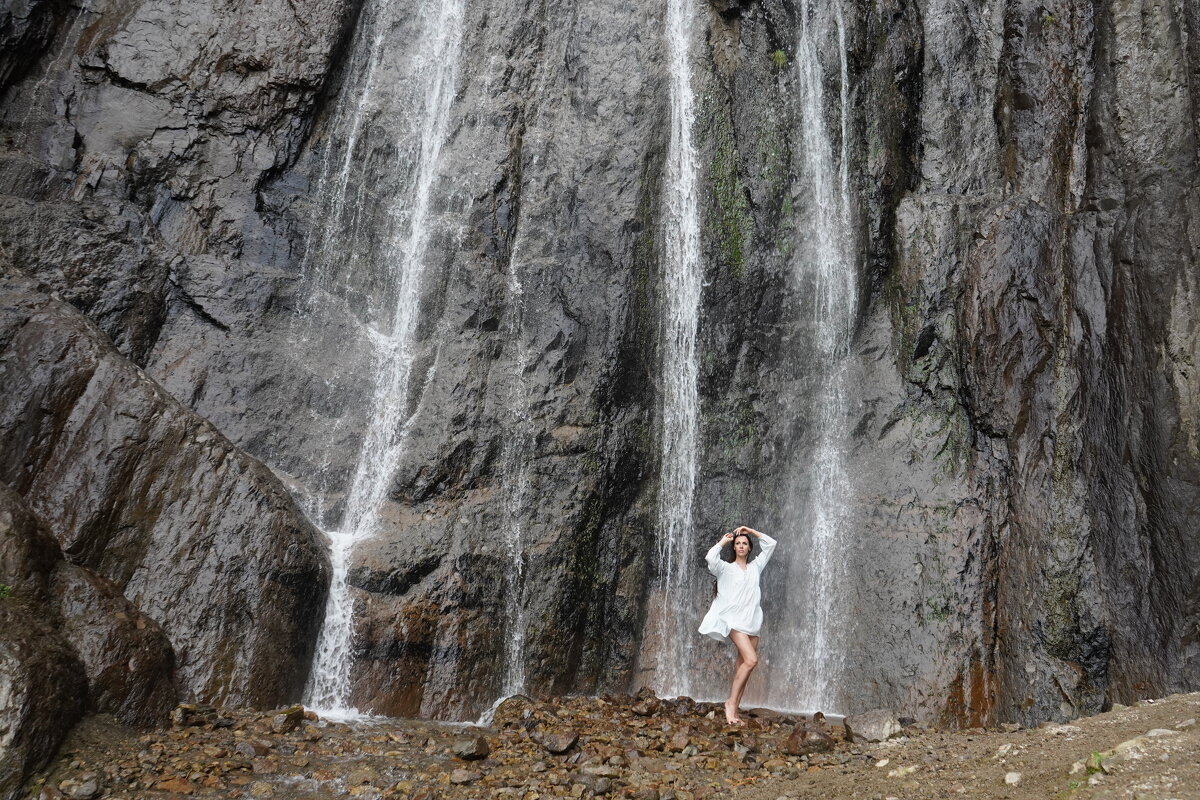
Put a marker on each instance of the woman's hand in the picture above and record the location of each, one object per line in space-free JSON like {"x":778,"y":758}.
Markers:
{"x":744,"y":529}
{"x":726,"y":539}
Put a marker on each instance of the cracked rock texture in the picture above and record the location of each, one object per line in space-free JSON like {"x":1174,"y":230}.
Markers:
{"x":158,"y":504}
{"x":1025,"y":470}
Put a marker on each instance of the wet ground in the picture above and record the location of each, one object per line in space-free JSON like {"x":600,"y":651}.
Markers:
{"x":633,"y":747}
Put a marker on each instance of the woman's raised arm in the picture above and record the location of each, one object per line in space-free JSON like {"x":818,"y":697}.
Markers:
{"x":713,"y":556}
{"x":766,"y":542}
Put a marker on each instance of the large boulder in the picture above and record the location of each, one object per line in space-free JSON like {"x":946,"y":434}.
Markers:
{"x":877,"y":725}
{"x":42,"y":681}
{"x":199,"y":536}
{"x":129,"y":661}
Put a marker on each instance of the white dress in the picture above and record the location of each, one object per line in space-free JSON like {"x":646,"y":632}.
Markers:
{"x":736,"y":606}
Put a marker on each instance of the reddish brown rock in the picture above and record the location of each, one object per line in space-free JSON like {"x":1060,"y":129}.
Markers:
{"x":805,"y":740}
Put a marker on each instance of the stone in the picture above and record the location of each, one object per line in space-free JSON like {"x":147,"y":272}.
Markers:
{"x":1012,"y":778}
{"x":471,"y":748}
{"x":176,"y":785}
{"x":460,"y":776}
{"x":253,"y":748}
{"x":86,"y":790}
{"x":557,"y":742}
{"x":261,"y":789}
{"x":360,"y":776}
{"x":805,"y":740}
{"x":647,"y":707}
{"x":287,"y":720}
{"x":877,"y":725}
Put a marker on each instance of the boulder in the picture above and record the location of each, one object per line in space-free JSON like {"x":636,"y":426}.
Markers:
{"x":471,"y":748}
{"x":129,"y":661}
{"x":805,"y":740}
{"x":872,"y":726}
{"x":287,"y":719}
{"x":43,"y":684}
{"x":556,"y":742}
{"x":199,"y":535}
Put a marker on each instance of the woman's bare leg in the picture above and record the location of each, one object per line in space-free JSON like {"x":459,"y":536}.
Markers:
{"x":747,"y":661}
{"x":742,"y":691}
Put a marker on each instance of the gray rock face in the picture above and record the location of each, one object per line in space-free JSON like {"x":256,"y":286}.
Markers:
{"x":129,"y":661}
{"x":1024,"y":468}
{"x":43,"y":685}
{"x":148,"y":495}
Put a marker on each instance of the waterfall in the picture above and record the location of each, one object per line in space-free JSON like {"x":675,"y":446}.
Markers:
{"x":515,"y":473}
{"x":683,"y":274}
{"x":826,"y":263}
{"x":365,"y":237}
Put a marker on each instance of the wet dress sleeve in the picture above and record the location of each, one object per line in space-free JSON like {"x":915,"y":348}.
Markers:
{"x":713,"y":559}
{"x":764,"y":555}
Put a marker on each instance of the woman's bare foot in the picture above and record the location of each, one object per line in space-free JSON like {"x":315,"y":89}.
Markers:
{"x":731,"y":715}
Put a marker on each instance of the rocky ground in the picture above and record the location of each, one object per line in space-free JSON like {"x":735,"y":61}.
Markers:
{"x":635,"y":747}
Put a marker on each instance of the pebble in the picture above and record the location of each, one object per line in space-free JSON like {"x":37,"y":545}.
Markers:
{"x":1012,"y":778}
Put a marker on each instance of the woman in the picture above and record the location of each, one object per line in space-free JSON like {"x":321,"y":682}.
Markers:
{"x":735,"y":611}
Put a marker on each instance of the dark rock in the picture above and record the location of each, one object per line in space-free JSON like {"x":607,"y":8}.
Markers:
{"x":556,"y":742}
{"x":252,"y":748}
{"x":42,"y":681}
{"x":804,"y":741}
{"x":1020,"y":182}
{"x":647,"y":707}
{"x":129,"y":662}
{"x":470,"y":748}
{"x":247,"y":584}
{"x":287,"y":720}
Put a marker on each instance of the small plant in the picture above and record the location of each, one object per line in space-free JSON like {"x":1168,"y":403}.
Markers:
{"x":5,"y":590}
{"x":779,"y":59}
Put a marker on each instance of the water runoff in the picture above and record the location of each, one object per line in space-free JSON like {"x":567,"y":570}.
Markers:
{"x":825,"y":268}
{"x":368,"y":250}
{"x":683,"y":274}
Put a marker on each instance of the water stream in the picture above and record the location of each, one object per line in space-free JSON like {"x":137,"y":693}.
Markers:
{"x":683,"y":273}
{"x":515,"y":476}
{"x":408,"y":117}
{"x":825,"y":267}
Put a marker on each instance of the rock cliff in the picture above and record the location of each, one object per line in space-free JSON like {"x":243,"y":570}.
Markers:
{"x":1023,"y":451}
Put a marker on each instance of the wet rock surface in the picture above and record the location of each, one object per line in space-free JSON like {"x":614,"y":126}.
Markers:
{"x":1025,"y":410}
{"x":43,"y":684}
{"x":1152,"y":747}
{"x":162,"y":508}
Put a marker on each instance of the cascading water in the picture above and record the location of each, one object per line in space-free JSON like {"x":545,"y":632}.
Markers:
{"x":825,"y":263}
{"x":683,"y":274}
{"x":516,"y":485}
{"x":347,"y":246}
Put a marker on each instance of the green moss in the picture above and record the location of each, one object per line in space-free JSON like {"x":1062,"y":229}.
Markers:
{"x":779,"y":59}
{"x":5,"y":591}
{"x":729,"y":223}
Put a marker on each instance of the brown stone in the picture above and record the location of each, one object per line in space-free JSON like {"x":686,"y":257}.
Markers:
{"x":471,"y":748}
{"x":805,"y":740}
{"x":177,"y":785}
{"x":460,"y":776}
{"x":557,"y":742}
{"x":287,"y":720}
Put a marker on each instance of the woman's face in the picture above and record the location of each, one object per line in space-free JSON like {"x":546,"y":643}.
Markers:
{"x":741,"y":545}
